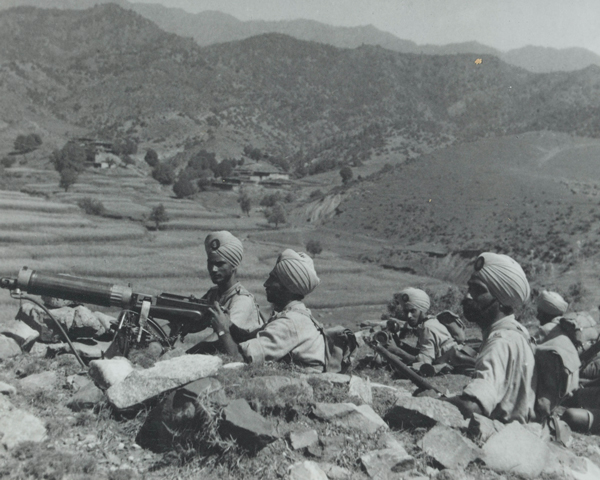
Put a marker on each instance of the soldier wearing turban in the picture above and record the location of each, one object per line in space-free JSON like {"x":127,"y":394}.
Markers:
{"x":550,"y":307}
{"x":224,"y":254}
{"x":434,"y":339}
{"x":291,"y":334}
{"x":504,"y":383}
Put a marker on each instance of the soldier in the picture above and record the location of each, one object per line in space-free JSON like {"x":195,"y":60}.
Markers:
{"x":291,"y":334}
{"x":550,"y":307}
{"x":504,"y":383}
{"x":224,"y":255}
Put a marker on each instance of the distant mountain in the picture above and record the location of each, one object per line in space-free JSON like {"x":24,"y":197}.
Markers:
{"x":111,"y":70}
{"x":211,"y":27}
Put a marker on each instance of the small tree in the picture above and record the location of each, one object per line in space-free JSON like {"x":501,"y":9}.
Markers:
{"x":346,"y":174}
{"x":184,"y":188}
{"x":314,"y":247}
{"x":151,"y":157}
{"x":27,"y":143}
{"x":245,"y":203}
{"x":159,"y":215}
{"x":276,"y":215}
{"x":91,"y":206}
{"x":163,"y":174}
{"x":68,"y":177}
{"x":72,"y":156}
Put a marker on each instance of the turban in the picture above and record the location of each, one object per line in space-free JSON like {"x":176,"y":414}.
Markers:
{"x":504,"y":278}
{"x":413,"y":297}
{"x":296,"y":272}
{"x":226,"y":245}
{"x":551,"y":303}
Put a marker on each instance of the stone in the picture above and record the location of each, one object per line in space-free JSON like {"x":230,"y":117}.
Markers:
{"x":77,"y":382}
{"x":105,"y":320}
{"x":448,"y":447}
{"x":8,"y":348}
{"x":18,"y":426}
{"x":142,"y":385}
{"x":86,"y":398}
{"x":334,"y":472}
{"x":38,"y":349}
{"x":426,"y":412}
{"x":451,"y":474}
{"x":299,"y":440}
{"x":86,"y":324}
{"x":248,"y":428}
{"x":361,"y":389}
{"x":306,"y":470}
{"x":350,"y":416}
{"x":338,"y":378}
{"x":383,"y":463}
{"x":21,"y":333}
{"x":6,"y":389}
{"x":516,"y":450}
{"x":481,"y":428}
{"x":64,"y":316}
{"x":274,"y":383}
{"x":38,"y":382}
{"x":234,"y":365}
{"x":34,"y":317}
{"x":53,"y":302}
{"x":208,"y":387}
{"x":106,"y":373}
{"x":92,"y":350}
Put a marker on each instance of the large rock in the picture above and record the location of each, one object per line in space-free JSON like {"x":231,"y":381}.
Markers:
{"x":38,"y":382}
{"x":35,"y":317}
{"x":448,"y":447}
{"x":8,"y":348}
{"x":350,"y":416}
{"x":335,"y":472}
{"x":63,"y":315}
{"x":385,"y":462}
{"x":306,"y":470}
{"x":426,"y":412}
{"x":248,"y":428}
{"x":142,"y":385}
{"x":18,"y":426}
{"x":299,"y":440}
{"x":7,"y":389}
{"x":86,"y":398}
{"x":106,"y":373}
{"x":516,"y":450}
{"x":91,"y":350}
{"x":86,"y":324}
{"x":481,"y":428}
{"x":21,"y":333}
{"x":331,"y":377}
{"x":361,"y":389}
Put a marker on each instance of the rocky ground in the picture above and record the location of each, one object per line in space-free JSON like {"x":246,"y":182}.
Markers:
{"x":195,"y":416}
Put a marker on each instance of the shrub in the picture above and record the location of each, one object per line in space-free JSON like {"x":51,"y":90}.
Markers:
{"x":276,"y":215}
{"x":271,"y":200}
{"x":91,"y":206}
{"x":68,"y":177}
{"x":184,"y":188}
{"x":159,"y":215}
{"x":72,"y":156}
{"x":151,"y":157}
{"x":8,"y":162}
{"x":346,"y":174}
{"x":318,"y":193}
{"x":245,"y":203}
{"x":163,"y":174}
{"x":314,"y":247}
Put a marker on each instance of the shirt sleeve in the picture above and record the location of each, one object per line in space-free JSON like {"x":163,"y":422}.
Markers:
{"x":273,"y":342}
{"x":490,"y":378}
{"x":426,"y":347}
{"x":243,"y":313}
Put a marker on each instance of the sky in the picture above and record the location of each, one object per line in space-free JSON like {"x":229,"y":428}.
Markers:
{"x":503,"y":24}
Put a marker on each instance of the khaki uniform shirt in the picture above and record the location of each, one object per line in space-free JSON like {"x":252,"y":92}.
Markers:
{"x":504,"y":379}
{"x":242,"y":309}
{"x":288,"y":335}
{"x":434,"y":340}
{"x":544,"y":330}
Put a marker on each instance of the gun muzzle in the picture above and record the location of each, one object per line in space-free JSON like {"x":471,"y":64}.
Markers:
{"x":69,"y":287}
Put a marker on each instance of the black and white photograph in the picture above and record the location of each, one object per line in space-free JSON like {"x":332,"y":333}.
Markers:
{"x":299,"y":239}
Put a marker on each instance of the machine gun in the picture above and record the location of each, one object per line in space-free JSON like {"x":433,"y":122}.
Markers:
{"x":139,"y":311}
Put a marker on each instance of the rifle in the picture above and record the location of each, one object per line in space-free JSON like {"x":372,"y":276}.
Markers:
{"x":139,"y":310}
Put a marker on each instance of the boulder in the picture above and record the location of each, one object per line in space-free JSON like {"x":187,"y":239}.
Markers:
{"x":63,"y":315}
{"x":105,"y":320}
{"x":91,"y":350}
{"x":35,"y":317}
{"x":248,"y":428}
{"x":299,"y":440}
{"x":38,"y":382}
{"x":142,"y":385}
{"x":8,"y":348}
{"x":86,"y":324}
{"x":426,"y":412}
{"x":361,"y":389}
{"x":6,"y":389}
{"x":448,"y":447}
{"x":106,"y":373}
{"x":481,"y":428}
{"x":77,"y":382}
{"x":18,"y":426}
{"x":516,"y":450}
{"x":21,"y":333}
{"x":86,"y":398}
{"x":385,"y":462}
{"x":335,"y":472}
{"x":338,"y":378}
{"x":306,"y":470}
{"x":350,"y":416}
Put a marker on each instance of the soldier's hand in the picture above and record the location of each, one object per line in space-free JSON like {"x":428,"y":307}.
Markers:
{"x":220,"y":320}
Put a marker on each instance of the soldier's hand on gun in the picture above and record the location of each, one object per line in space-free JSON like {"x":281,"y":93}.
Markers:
{"x":220,"y":320}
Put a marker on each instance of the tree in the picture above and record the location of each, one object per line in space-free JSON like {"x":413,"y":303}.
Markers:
{"x":225,"y":168}
{"x":72,"y":156}
{"x":184,"y":188}
{"x":314,"y":247}
{"x":245,"y":203}
{"x":164,"y":174}
{"x":151,"y":158}
{"x":68,"y":177}
{"x":27,"y":143}
{"x":91,"y":206}
{"x":276,"y":215}
{"x":346,"y":174}
{"x":158,"y":215}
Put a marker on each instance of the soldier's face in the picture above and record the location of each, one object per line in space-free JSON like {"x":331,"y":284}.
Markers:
{"x":412,"y":315}
{"x":273,"y":289}
{"x":479,"y":306}
{"x":219,"y":270}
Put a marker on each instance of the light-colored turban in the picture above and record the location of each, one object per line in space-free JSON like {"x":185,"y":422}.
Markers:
{"x":226,"y":245}
{"x":551,"y":303}
{"x":296,"y":272}
{"x":504,"y":278}
{"x":415,"y":298}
